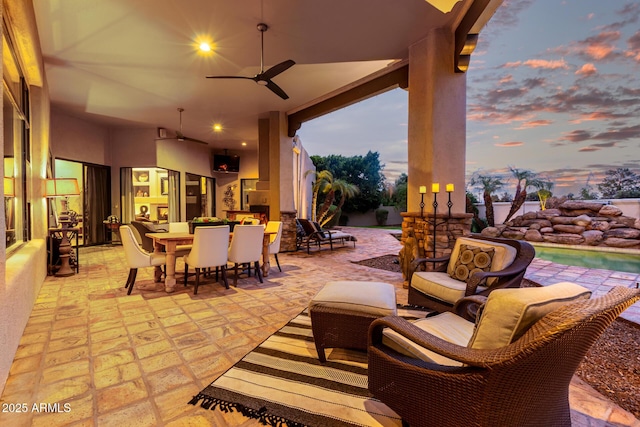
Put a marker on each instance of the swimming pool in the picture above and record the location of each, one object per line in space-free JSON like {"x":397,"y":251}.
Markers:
{"x":588,"y":257}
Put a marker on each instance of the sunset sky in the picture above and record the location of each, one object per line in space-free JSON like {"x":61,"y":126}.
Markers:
{"x":553,"y":87}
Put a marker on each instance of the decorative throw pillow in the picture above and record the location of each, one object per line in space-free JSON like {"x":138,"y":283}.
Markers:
{"x":470,"y":260}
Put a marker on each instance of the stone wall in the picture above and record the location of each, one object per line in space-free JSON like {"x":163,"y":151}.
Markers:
{"x":573,"y":223}
{"x":418,"y":240}
{"x":288,"y":240}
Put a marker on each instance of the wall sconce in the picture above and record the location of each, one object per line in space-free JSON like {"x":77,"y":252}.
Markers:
{"x":64,"y":187}
{"x":9,"y":186}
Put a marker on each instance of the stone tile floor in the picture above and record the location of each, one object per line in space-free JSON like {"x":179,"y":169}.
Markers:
{"x":111,"y":359}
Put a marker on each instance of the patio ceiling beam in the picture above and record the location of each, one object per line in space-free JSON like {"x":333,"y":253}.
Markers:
{"x":396,"y":75}
{"x":467,"y":31}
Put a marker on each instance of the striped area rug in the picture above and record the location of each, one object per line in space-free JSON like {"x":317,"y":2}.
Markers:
{"x":282,"y":382}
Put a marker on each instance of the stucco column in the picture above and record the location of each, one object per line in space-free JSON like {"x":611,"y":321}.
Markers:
{"x":437,"y":123}
{"x":276,"y":173}
{"x":276,"y":163}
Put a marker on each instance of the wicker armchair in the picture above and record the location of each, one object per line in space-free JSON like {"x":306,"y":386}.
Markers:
{"x":525,"y":383}
{"x":438,"y":291}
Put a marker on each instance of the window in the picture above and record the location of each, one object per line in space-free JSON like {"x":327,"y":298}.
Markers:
{"x":17,"y":147}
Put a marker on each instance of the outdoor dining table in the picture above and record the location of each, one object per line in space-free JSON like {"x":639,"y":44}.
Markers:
{"x":170,"y":241}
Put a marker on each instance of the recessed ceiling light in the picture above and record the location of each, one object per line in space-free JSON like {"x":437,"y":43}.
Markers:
{"x":244,"y":144}
{"x":205,"y":47}
{"x":217,"y":127}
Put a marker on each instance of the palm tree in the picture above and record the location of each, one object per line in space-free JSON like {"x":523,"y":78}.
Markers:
{"x":346,"y":190}
{"x":321,"y":184}
{"x":525,"y":178}
{"x":543,"y":188}
{"x":489,"y":185}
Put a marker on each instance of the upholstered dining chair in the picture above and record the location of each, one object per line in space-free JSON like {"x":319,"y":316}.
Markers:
{"x":180,"y":227}
{"x":274,"y":239}
{"x":142,"y":230}
{"x":246,"y":248}
{"x":136,"y":256}
{"x":210,"y":249}
{"x":512,"y":368}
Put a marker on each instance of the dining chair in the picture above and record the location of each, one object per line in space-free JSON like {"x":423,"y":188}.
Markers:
{"x":180,"y":227}
{"x":136,"y":256}
{"x":246,"y":248}
{"x":210,"y":249}
{"x":274,"y":239}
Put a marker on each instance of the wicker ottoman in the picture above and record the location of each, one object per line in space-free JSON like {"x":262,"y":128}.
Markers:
{"x":343,"y":310}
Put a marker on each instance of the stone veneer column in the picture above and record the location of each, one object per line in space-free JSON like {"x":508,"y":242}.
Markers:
{"x":417,"y":236}
{"x":289,"y":231}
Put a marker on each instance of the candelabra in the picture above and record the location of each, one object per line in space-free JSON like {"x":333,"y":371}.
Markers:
{"x":435,"y":189}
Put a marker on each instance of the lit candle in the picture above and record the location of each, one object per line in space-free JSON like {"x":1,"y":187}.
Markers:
{"x":435,"y":187}
{"x":423,"y":189}
{"x":449,"y":188}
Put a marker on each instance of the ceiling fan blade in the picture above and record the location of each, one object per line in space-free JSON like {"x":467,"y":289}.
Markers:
{"x":196,"y":140}
{"x":277,"y":69}
{"x":230,"y":77}
{"x":181,"y":137}
{"x":276,"y":89}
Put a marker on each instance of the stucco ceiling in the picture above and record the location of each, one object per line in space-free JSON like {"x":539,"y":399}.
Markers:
{"x":134,"y":62}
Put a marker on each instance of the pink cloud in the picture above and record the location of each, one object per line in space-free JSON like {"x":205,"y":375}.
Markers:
{"x":599,"y":47}
{"x":510,"y":144}
{"x":589,"y":149}
{"x":534,"y":124}
{"x":577,"y":136}
{"x":539,"y":63}
{"x":587,"y":70}
{"x":506,"y":79}
{"x":512,"y":64}
{"x":634,"y":46}
{"x":589,"y":117}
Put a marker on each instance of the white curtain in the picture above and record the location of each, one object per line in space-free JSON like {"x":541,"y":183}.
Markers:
{"x":211,"y":197}
{"x":174,"y":196}
{"x":127,"y":200}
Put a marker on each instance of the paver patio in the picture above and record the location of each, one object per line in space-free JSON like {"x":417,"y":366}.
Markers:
{"x":137,"y":360}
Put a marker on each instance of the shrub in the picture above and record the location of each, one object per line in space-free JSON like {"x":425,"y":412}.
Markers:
{"x":381,"y":216}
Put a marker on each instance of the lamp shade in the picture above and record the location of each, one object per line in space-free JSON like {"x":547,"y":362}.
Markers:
{"x":9,"y":187}
{"x":61,"y":187}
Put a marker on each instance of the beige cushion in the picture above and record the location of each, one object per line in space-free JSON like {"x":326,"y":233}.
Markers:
{"x":366,"y":297}
{"x":471,"y":259}
{"x":447,"y":326}
{"x":508,"y":313}
{"x":503,"y":257}
{"x":440,"y":285}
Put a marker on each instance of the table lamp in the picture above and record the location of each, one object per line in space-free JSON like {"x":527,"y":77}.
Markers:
{"x":64,"y":187}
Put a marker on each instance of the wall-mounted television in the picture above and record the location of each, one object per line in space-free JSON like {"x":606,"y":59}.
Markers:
{"x":226,"y":163}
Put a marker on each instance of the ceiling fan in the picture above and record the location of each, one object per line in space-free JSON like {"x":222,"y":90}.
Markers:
{"x":263,"y":78}
{"x":181,"y":137}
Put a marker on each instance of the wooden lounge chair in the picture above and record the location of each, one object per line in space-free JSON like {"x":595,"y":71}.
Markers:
{"x":523,"y":383}
{"x":316,"y":235}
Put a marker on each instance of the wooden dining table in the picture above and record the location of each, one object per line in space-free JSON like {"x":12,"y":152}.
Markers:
{"x":170,"y":241}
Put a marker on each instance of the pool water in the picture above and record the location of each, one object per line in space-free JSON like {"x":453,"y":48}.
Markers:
{"x":616,"y":261}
